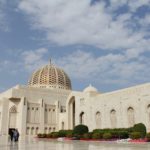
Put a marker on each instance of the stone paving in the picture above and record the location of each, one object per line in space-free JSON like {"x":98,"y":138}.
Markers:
{"x":30,"y":143}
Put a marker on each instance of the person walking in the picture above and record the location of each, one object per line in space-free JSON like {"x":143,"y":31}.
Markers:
{"x":16,"y":135}
{"x":11,"y":135}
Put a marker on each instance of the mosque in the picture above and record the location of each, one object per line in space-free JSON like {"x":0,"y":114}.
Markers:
{"x":48,"y":104}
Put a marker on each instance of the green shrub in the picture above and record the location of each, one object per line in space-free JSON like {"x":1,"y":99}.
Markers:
{"x":135,"y":135}
{"x":114,"y":133}
{"x":107,"y":136}
{"x":97,"y":135}
{"x":55,"y":134}
{"x":87,"y":135}
{"x":62,"y":133}
{"x":77,"y":136}
{"x":44,"y":135}
{"x":97,"y":130}
{"x":140,"y":127}
{"x":123,"y":135}
{"x":49,"y":135}
{"x":39,"y":135}
{"x":148,"y":137}
{"x":69,"y":133}
{"x":80,"y":129}
{"x":119,"y":133}
{"x":130,"y":129}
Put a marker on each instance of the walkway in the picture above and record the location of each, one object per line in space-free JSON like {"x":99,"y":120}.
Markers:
{"x":36,"y":144}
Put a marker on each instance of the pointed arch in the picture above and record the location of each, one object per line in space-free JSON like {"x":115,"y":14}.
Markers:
{"x":62,"y":125}
{"x":71,"y":112}
{"x":82,"y":117}
{"x":130,"y":114}
{"x":98,"y":120}
{"x":113,"y":118}
{"x":32,"y":131}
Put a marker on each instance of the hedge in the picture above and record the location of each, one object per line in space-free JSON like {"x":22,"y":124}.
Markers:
{"x":97,"y":135}
{"x":135,"y":135}
{"x":148,"y":137}
{"x":87,"y":135}
{"x":107,"y":136}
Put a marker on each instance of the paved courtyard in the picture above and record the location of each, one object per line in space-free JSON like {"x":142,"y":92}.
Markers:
{"x":35,"y":144}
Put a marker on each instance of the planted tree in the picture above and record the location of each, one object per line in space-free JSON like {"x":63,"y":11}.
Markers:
{"x":141,"y":128}
{"x":79,"y":130}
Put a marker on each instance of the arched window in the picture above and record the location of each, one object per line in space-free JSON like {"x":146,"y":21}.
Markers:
{"x":32,"y":131}
{"x":32,"y":115}
{"x":98,"y":120}
{"x":28,"y":114}
{"x":53,"y":129}
{"x":62,"y":125}
{"x":45,"y":130}
{"x":46,"y":115}
{"x":82,"y":118}
{"x":37,"y":130}
{"x":28,"y":130}
{"x":113,"y":118}
{"x":71,"y":112}
{"x":36,"y":115}
{"x":131,"y":119}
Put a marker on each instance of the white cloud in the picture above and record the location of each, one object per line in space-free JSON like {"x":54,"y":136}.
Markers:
{"x":3,"y":22}
{"x":112,"y":69}
{"x":33,"y":59}
{"x":71,"y":22}
{"x":117,"y":69}
{"x":24,"y":61}
{"x":135,"y":4}
{"x":77,"y":22}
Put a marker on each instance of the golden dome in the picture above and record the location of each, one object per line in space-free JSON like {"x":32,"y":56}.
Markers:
{"x":50,"y":76}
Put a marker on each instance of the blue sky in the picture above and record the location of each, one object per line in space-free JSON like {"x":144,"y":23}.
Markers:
{"x":101,"y":42}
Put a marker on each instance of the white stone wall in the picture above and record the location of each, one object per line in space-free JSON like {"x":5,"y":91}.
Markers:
{"x":44,"y":111}
{"x":113,"y":107}
{"x":37,"y":109}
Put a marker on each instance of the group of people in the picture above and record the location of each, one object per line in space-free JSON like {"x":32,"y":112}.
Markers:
{"x":14,"y":135}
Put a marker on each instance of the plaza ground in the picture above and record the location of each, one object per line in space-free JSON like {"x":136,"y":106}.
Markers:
{"x":30,"y":143}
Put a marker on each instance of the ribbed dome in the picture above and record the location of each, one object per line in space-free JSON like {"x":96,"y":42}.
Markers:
{"x":50,"y":76}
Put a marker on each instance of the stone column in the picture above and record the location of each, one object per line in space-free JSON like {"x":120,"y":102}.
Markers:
{"x":57,"y":114}
{"x":22,"y":116}
{"x":71,"y":116}
{"x":67,"y":116}
{"x":5,"y":116}
{"x":120,"y":117}
{"x":42,"y":117}
{"x":104,"y":118}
